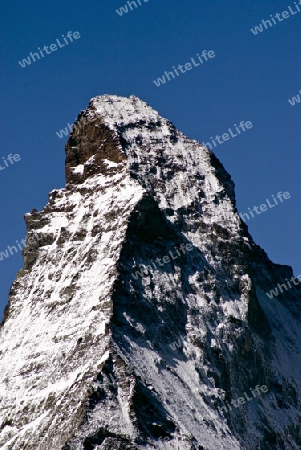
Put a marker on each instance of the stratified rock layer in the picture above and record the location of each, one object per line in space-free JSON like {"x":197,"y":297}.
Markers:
{"x":108,"y":346}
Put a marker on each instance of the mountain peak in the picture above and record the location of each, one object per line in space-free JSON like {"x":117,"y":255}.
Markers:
{"x":141,"y":317}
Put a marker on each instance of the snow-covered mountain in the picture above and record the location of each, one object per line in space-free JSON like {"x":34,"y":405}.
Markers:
{"x":141,"y":315}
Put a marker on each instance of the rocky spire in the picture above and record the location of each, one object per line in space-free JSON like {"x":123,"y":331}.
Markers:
{"x":140,"y":317}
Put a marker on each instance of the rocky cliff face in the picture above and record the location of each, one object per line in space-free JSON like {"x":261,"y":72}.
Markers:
{"x":140,"y":316}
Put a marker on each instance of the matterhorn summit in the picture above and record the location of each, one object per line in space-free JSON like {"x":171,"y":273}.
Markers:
{"x":140,"y":319}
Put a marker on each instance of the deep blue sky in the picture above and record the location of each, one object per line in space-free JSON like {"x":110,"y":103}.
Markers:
{"x":250,"y":78}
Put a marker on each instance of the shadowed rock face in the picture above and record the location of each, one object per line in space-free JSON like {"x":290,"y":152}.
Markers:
{"x":117,"y":338}
{"x":89,"y":144}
